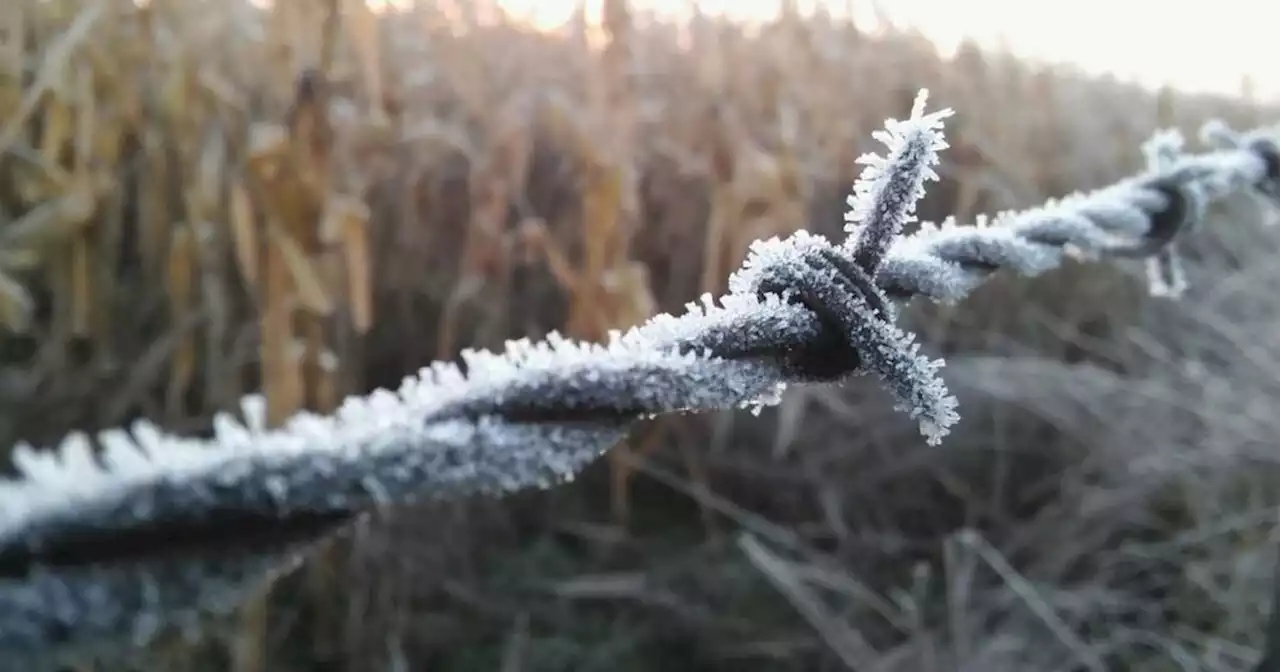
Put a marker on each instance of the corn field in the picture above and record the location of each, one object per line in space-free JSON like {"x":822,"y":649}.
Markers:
{"x":265,"y":209}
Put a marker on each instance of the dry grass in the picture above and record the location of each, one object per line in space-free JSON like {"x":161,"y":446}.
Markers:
{"x":201,"y":199}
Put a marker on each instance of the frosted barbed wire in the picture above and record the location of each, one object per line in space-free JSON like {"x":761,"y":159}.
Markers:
{"x":72,"y":516}
{"x":799,"y":310}
{"x":885,"y":195}
{"x":1166,"y":275}
{"x":530,"y":416}
{"x":1136,"y":217}
{"x":883,"y":201}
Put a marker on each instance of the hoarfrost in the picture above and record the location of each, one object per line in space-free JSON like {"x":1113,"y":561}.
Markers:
{"x":800,"y":309}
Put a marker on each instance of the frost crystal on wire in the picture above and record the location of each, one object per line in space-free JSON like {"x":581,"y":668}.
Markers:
{"x":1166,"y":275}
{"x":809,"y":268}
{"x":884,"y":197}
{"x":537,"y":413}
{"x":883,"y":201}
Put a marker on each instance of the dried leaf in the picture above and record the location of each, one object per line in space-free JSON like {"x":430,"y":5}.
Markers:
{"x":278,"y":351}
{"x":82,"y":294}
{"x":16,"y":305}
{"x":53,"y":221}
{"x":244,"y":233}
{"x":180,"y":286}
{"x":306,"y":280}
{"x":359,"y":271}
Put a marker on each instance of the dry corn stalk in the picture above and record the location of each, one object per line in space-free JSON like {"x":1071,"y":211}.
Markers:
{"x":290,"y":171}
{"x":607,"y":289}
{"x":346,"y":227}
{"x":496,"y":179}
{"x":82,"y":82}
{"x":16,"y":305}
{"x":182,"y":301}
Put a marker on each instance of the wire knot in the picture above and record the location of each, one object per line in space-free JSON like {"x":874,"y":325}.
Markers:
{"x":1269,"y":152}
{"x":859,"y":334}
{"x":1260,"y":142}
{"x":833,"y":287}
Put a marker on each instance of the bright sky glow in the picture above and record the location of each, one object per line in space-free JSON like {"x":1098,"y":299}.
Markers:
{"x":1194,"y":46}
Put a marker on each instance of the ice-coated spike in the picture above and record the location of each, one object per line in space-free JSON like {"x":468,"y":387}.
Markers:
{"x":227,"y":431}
{"x":36,"y":465}
{"x":1216,"y":133}
{"x":254,"y":408}
{"x":120,"y":452}
{"x":493,"y":425}
{"x":885,"y":195}
{"x":76,"y":455}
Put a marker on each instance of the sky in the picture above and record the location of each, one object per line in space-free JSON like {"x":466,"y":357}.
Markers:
{"x":1198,"y":46}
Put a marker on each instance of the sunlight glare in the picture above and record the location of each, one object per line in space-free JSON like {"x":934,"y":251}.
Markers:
{"x":1188,"y":46}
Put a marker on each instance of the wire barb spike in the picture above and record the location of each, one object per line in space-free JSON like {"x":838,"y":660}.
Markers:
{"x":100,"y":552}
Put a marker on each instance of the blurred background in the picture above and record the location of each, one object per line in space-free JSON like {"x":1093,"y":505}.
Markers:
{"x":200,"y":199}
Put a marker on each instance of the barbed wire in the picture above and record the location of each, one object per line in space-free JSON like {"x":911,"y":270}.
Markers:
{"x":110,"y":542}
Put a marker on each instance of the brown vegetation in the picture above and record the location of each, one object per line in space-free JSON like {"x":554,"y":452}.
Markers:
{"x":202,"y":199}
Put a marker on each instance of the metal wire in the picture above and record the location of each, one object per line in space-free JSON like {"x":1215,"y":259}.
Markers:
{"x":102,"y":551}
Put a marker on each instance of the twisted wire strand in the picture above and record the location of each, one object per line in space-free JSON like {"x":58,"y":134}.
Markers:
{"x":104,"y":550}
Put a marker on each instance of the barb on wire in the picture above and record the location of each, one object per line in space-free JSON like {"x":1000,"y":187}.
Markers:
{"x":105,"y":548}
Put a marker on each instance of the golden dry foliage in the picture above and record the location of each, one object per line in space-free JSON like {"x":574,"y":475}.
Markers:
{"x":134,"y":133}
{"x":145,"y":159}
{"x":227,"y":154}
{"x":607,"y":289}
{"x":496,"y":178}
{"x":227,"y":150}
{"x":215,"y":198}
{"x":57,"y":175}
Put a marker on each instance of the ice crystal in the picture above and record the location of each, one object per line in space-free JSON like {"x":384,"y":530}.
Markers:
{"x":535,"y":414}
{"x":885,"y":195}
